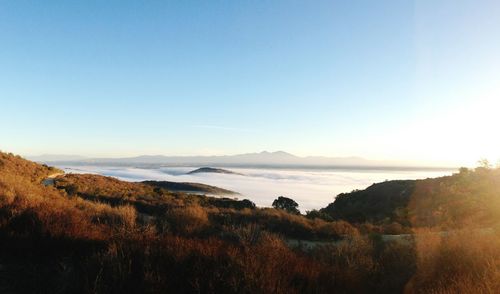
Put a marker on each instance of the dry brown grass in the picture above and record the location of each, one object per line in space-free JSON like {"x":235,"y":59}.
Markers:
{"x":190,"y":219}
{"x":28,"y":207}
{"x":53,"y":242}
{"x":466,"y":261}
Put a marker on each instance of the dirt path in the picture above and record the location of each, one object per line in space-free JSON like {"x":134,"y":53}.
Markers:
{"x":49,"y":181}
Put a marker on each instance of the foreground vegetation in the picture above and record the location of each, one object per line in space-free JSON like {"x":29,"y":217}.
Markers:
{"x":94,"y":234}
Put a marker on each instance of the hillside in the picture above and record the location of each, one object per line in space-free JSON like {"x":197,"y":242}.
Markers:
{"x":376,"y":203}
{"x":12,"y":165}
{"x":212,"y":170}
{"x":470,"y":198}
{"x":195,"y":188}
{"x":95,"y":234}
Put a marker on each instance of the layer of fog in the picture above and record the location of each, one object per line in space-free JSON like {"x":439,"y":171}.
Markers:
{"x":312,"y":189}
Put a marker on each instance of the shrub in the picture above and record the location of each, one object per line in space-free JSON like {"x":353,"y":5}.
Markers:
{"x":117,"y":217}
{"x":188,"y":220}
{"x":312,"y":214}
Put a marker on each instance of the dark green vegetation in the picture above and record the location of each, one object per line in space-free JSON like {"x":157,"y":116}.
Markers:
{"x":94,"y":234}
{"x":374,"y":204}
{"x":286,"y":204}
{"x":212,"y":170}
{"x":468,"y":199}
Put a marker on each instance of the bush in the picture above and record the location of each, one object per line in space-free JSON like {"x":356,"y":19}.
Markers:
{"x":312,"y":214}
{"x":117,"y":217}
{"x":188,"y":220}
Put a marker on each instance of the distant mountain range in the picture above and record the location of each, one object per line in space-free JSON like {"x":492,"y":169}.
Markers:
{"x":262,"y":159}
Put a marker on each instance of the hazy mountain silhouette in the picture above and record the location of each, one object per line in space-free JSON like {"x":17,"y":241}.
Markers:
{"x":264,"y":159}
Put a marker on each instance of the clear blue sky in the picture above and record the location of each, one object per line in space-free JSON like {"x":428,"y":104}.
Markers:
{"x":416,"y":80}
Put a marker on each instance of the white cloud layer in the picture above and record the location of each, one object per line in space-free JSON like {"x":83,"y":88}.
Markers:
{"x":312,"y":189}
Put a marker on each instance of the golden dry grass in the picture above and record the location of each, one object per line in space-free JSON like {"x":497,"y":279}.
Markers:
{"x":54,"y":242}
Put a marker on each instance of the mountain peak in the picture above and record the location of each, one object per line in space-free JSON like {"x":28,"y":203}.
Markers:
{"x":281,"y":153}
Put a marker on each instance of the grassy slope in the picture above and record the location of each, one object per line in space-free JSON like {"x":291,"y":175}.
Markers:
{"x":54,"y":240}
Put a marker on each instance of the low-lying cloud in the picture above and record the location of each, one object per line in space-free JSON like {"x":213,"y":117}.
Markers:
{"x":312,"y":189}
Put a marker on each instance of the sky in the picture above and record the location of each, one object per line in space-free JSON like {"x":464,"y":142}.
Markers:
{"x":398,"y":80}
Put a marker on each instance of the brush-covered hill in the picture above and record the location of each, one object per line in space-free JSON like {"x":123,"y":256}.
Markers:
{"x":205,"y":170}
{"x":154,"y":199}
{"x":470,"y":198}
{"x":16,"y":166}
{"x":148,"y":197}
{"x":196,"y":188}
{"x":95,"y":234}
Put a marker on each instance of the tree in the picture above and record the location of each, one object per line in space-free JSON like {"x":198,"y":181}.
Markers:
{"x":245,"y":203}
{"x":286,"y":204}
